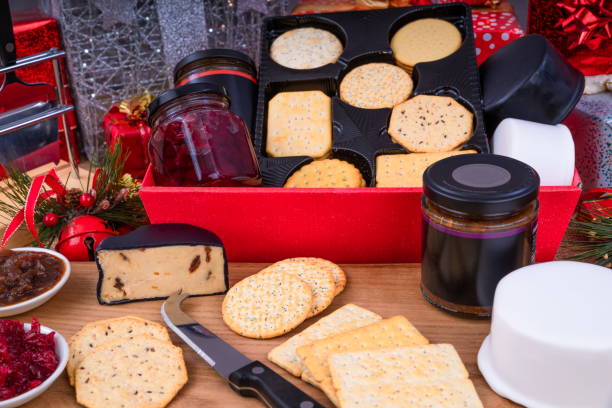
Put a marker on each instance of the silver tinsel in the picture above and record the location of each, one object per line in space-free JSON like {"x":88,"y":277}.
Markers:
{"x":120,"y":48}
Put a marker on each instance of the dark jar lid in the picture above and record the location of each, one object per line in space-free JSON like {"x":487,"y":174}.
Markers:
{"x":481,"y":184}
{"x":180,"y":91}
{"x":213,"y":53}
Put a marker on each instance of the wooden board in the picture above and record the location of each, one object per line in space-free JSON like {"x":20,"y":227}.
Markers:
{"x":386,"y":289}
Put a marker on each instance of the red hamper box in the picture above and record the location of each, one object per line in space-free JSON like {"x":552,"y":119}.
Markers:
{"x":360,"y":225}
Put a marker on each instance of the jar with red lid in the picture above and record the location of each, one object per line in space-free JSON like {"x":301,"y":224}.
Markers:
{"x":233,"y":70}
{"x":197,"y":141}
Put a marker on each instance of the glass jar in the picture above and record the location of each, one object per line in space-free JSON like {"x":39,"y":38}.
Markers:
{"x":231,"y":69}
{"x":479,"y":224}
{"x":197,"y":141}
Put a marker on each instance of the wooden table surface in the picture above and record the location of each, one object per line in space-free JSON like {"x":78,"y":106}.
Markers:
{"x":385,"y":289}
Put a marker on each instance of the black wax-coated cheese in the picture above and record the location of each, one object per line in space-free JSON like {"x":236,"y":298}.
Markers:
{"x":154,"y":261}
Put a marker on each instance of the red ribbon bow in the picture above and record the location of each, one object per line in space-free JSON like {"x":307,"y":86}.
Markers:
{"x":589,"y":23}
{"x":33,"y":198}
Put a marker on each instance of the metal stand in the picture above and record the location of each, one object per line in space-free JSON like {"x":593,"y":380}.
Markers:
{"x":60,"y":110}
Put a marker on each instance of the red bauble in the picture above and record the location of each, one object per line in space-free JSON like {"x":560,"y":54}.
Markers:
{"x":50,"y":219}
{"x":81,"y":236}
{"x":86,"y":200}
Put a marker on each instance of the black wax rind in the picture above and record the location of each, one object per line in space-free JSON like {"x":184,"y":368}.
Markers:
{"x":359,"y":135}
{"x":155,"y":236}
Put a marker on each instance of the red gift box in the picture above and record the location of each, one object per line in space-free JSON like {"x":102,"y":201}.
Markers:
{"x":34,"y":35}
{"x":346,"y":225}
{"x":493,"y":30}
{"x":134,"y":137}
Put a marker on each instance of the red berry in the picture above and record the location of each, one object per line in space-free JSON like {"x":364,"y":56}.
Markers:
{"x":50,"y":219}
{"x":86,"y":200}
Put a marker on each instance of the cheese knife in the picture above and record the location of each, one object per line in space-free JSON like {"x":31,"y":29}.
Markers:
{"x":246,"y":377}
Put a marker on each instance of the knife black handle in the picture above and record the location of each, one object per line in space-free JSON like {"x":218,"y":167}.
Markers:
{"x":257,"y":380}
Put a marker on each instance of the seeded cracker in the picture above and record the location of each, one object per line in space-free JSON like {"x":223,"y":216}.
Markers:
{"x":95,"y":334}
{"x":398,"y":366}
{"x":423,"y":40}
{"x":394,"y":332}
{"x":438,"y":394}
{"x":319,"y":279}
{"x":375,"y":86}
{"x":337,"y":272}
{"x":428,"y":123}
{"x":299,"y":124}
{"x":346,"y":318}
{"x":406,"y":170}
{"x":306,"y":48}
{"x":138,"y":372}
{"x":326,"y":173}
{"x":267,"y":304}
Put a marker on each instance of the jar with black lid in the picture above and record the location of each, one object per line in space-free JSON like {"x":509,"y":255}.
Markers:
{"x":479,"y":224}
{"x":233,"y":70}
{"x":198,"y":142}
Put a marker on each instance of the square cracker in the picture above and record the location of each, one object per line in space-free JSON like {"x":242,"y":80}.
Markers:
{"x":406,"y":170}
{"x":393,"y":332}
{"x":299,"y":124}
{"x":424,"y":394}
{"x":399,"y":366}
{"x":345,"y":318}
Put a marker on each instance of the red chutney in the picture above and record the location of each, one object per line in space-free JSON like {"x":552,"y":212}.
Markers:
{"x":197,"y":141}
{"x":26,"y":358}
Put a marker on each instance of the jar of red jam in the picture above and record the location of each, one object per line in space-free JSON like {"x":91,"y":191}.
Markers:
{"x":197,"y":141}
{"x":479,"y":224}
{"x":232,"y":69}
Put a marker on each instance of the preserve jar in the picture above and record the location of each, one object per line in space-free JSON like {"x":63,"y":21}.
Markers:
{"x":479,"y":224}
{"x":197,"y":141}
{"x":231,"y":69}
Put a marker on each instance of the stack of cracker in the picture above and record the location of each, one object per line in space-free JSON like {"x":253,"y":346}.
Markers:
{"x":361,"y":360}
{"x":280,"y":297}
{"x":127,"y":362}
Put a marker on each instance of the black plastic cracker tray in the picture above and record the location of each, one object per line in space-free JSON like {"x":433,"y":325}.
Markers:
{"x":359,"y":135}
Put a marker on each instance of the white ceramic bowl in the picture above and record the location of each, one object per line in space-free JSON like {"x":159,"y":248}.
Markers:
{"x":551,"y":337}
{"x":61,"y":350}
{"x":36,"y":301}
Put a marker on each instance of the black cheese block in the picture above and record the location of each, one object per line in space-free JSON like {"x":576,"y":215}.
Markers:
{"x":154,"y":261}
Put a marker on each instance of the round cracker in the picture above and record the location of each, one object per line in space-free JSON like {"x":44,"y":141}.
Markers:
{"x":141,"y":371}
{"x":428,"y":123}
{"x":320,"y":279}
{"x":338,"y":273}
{"x":97,"y":333}
{"x":267,"y":304}
{"x":326,"y":173}
{"x":427,"y":39}
{"x":375,"y":86}
{"x":305,"y":48}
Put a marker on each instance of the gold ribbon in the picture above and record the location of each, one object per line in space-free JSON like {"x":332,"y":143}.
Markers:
{"x":136,"y":108}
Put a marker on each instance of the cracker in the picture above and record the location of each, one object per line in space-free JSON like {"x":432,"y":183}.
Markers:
{"x":100,"y":332}
{"x":423,"y":40}
{"x":267,"y":304}
{"x":428,"y":123}
{"x":305,"y":48}
{"x":406,"y":170}
{"x":375,"y":86}
{"x":346,"y":318}
{"x":400,"y":365}
{"x":131,"y":372}
{"x":299,"y":124}
{"x":337,"y":272}
{"x":320,"y":280}
{"x":326,"y":173}
{"x":393,"y":332}
{"x":448,"y":394}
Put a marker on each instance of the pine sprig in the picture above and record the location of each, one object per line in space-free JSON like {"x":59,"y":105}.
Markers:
{"x":590,"y":236}
{"x":115,"y":195}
